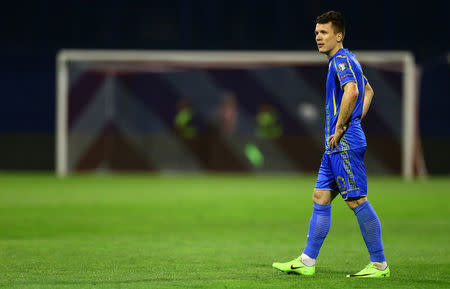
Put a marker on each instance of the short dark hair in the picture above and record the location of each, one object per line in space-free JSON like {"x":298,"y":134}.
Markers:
{"x":336,"y":18}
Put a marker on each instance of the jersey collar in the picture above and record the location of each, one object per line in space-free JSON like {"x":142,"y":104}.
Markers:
{"x":337,"y":53}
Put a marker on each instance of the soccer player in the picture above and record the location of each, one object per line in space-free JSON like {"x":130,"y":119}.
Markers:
{"x":342,"y":170}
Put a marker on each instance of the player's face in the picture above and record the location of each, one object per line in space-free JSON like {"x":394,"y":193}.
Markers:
{"x":326,"y":40}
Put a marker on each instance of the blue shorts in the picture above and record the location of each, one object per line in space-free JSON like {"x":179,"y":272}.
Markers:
{"x":344,"y":172}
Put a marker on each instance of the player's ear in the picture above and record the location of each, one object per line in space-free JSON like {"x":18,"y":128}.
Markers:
{"x":340,"y":37}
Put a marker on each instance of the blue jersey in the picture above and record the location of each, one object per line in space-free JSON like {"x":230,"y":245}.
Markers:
{"x":342,"y":69}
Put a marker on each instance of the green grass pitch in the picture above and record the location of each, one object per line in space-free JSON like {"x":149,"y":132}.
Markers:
{"x":219,"y":231}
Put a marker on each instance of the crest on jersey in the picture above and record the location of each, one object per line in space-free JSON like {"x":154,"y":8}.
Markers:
{"x":342,"y":66}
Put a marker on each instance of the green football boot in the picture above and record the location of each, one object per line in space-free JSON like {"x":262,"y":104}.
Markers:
{"x":295,"y":267}
{"x":371,"y":271}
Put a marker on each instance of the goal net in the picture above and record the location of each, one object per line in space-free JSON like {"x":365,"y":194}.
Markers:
{"x":200,"y":111}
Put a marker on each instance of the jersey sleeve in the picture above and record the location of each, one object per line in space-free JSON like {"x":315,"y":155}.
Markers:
{"x":344,"y":70}
{"x":365,"y":80}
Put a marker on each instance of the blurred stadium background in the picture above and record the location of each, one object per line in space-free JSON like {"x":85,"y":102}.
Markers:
{"x":157,"y":211}
{"x":36,"y":32}
{"x":184,"y":112}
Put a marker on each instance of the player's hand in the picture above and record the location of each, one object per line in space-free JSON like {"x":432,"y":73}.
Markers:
{"x":334,"y":139}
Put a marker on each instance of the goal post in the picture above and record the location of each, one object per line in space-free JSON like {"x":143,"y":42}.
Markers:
{"x":141,"y":60}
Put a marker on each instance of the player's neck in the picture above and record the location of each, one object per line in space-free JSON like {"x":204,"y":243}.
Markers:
{"x":334,"y":50}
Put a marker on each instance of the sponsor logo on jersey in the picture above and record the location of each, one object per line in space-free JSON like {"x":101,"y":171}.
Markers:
{"x":345,"y":75}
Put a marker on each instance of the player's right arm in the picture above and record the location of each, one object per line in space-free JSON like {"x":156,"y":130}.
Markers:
{"x":368,"y":95}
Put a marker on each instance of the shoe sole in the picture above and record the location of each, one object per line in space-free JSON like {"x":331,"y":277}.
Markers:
{"x":292,"y":272}
{"x":381,"y":276}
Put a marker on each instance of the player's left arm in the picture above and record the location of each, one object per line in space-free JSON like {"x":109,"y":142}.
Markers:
{"x":348,"y":103}
{"x":368,"y":95}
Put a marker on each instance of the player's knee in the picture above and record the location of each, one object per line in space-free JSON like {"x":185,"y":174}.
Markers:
{"x":322,"y":197}
{"x":352,"y":203}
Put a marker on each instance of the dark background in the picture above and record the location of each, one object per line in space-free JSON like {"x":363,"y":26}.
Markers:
{"x":33,"y":32}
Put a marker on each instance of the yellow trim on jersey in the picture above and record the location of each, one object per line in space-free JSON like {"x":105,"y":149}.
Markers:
{"x":337,"y":73}
{"x":351,"y":69}
{"x":334,"y":103}
{"x":362,"y":196}
{"x":347,"y":166}
{"x":349,"y":66}
{"x":335,"y":68}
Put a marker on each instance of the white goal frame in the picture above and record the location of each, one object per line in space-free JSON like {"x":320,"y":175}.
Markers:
{"x":410,"y":94}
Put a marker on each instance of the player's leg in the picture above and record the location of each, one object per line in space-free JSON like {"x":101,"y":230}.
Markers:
{"x":370,"y":227}
{"x":324,"y":193}
{"x":319,"y":225}
{"x":354,"y":180}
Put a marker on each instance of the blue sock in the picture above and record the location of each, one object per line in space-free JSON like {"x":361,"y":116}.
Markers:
{"x":370,"y":226}
{"x":319,"y":225}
